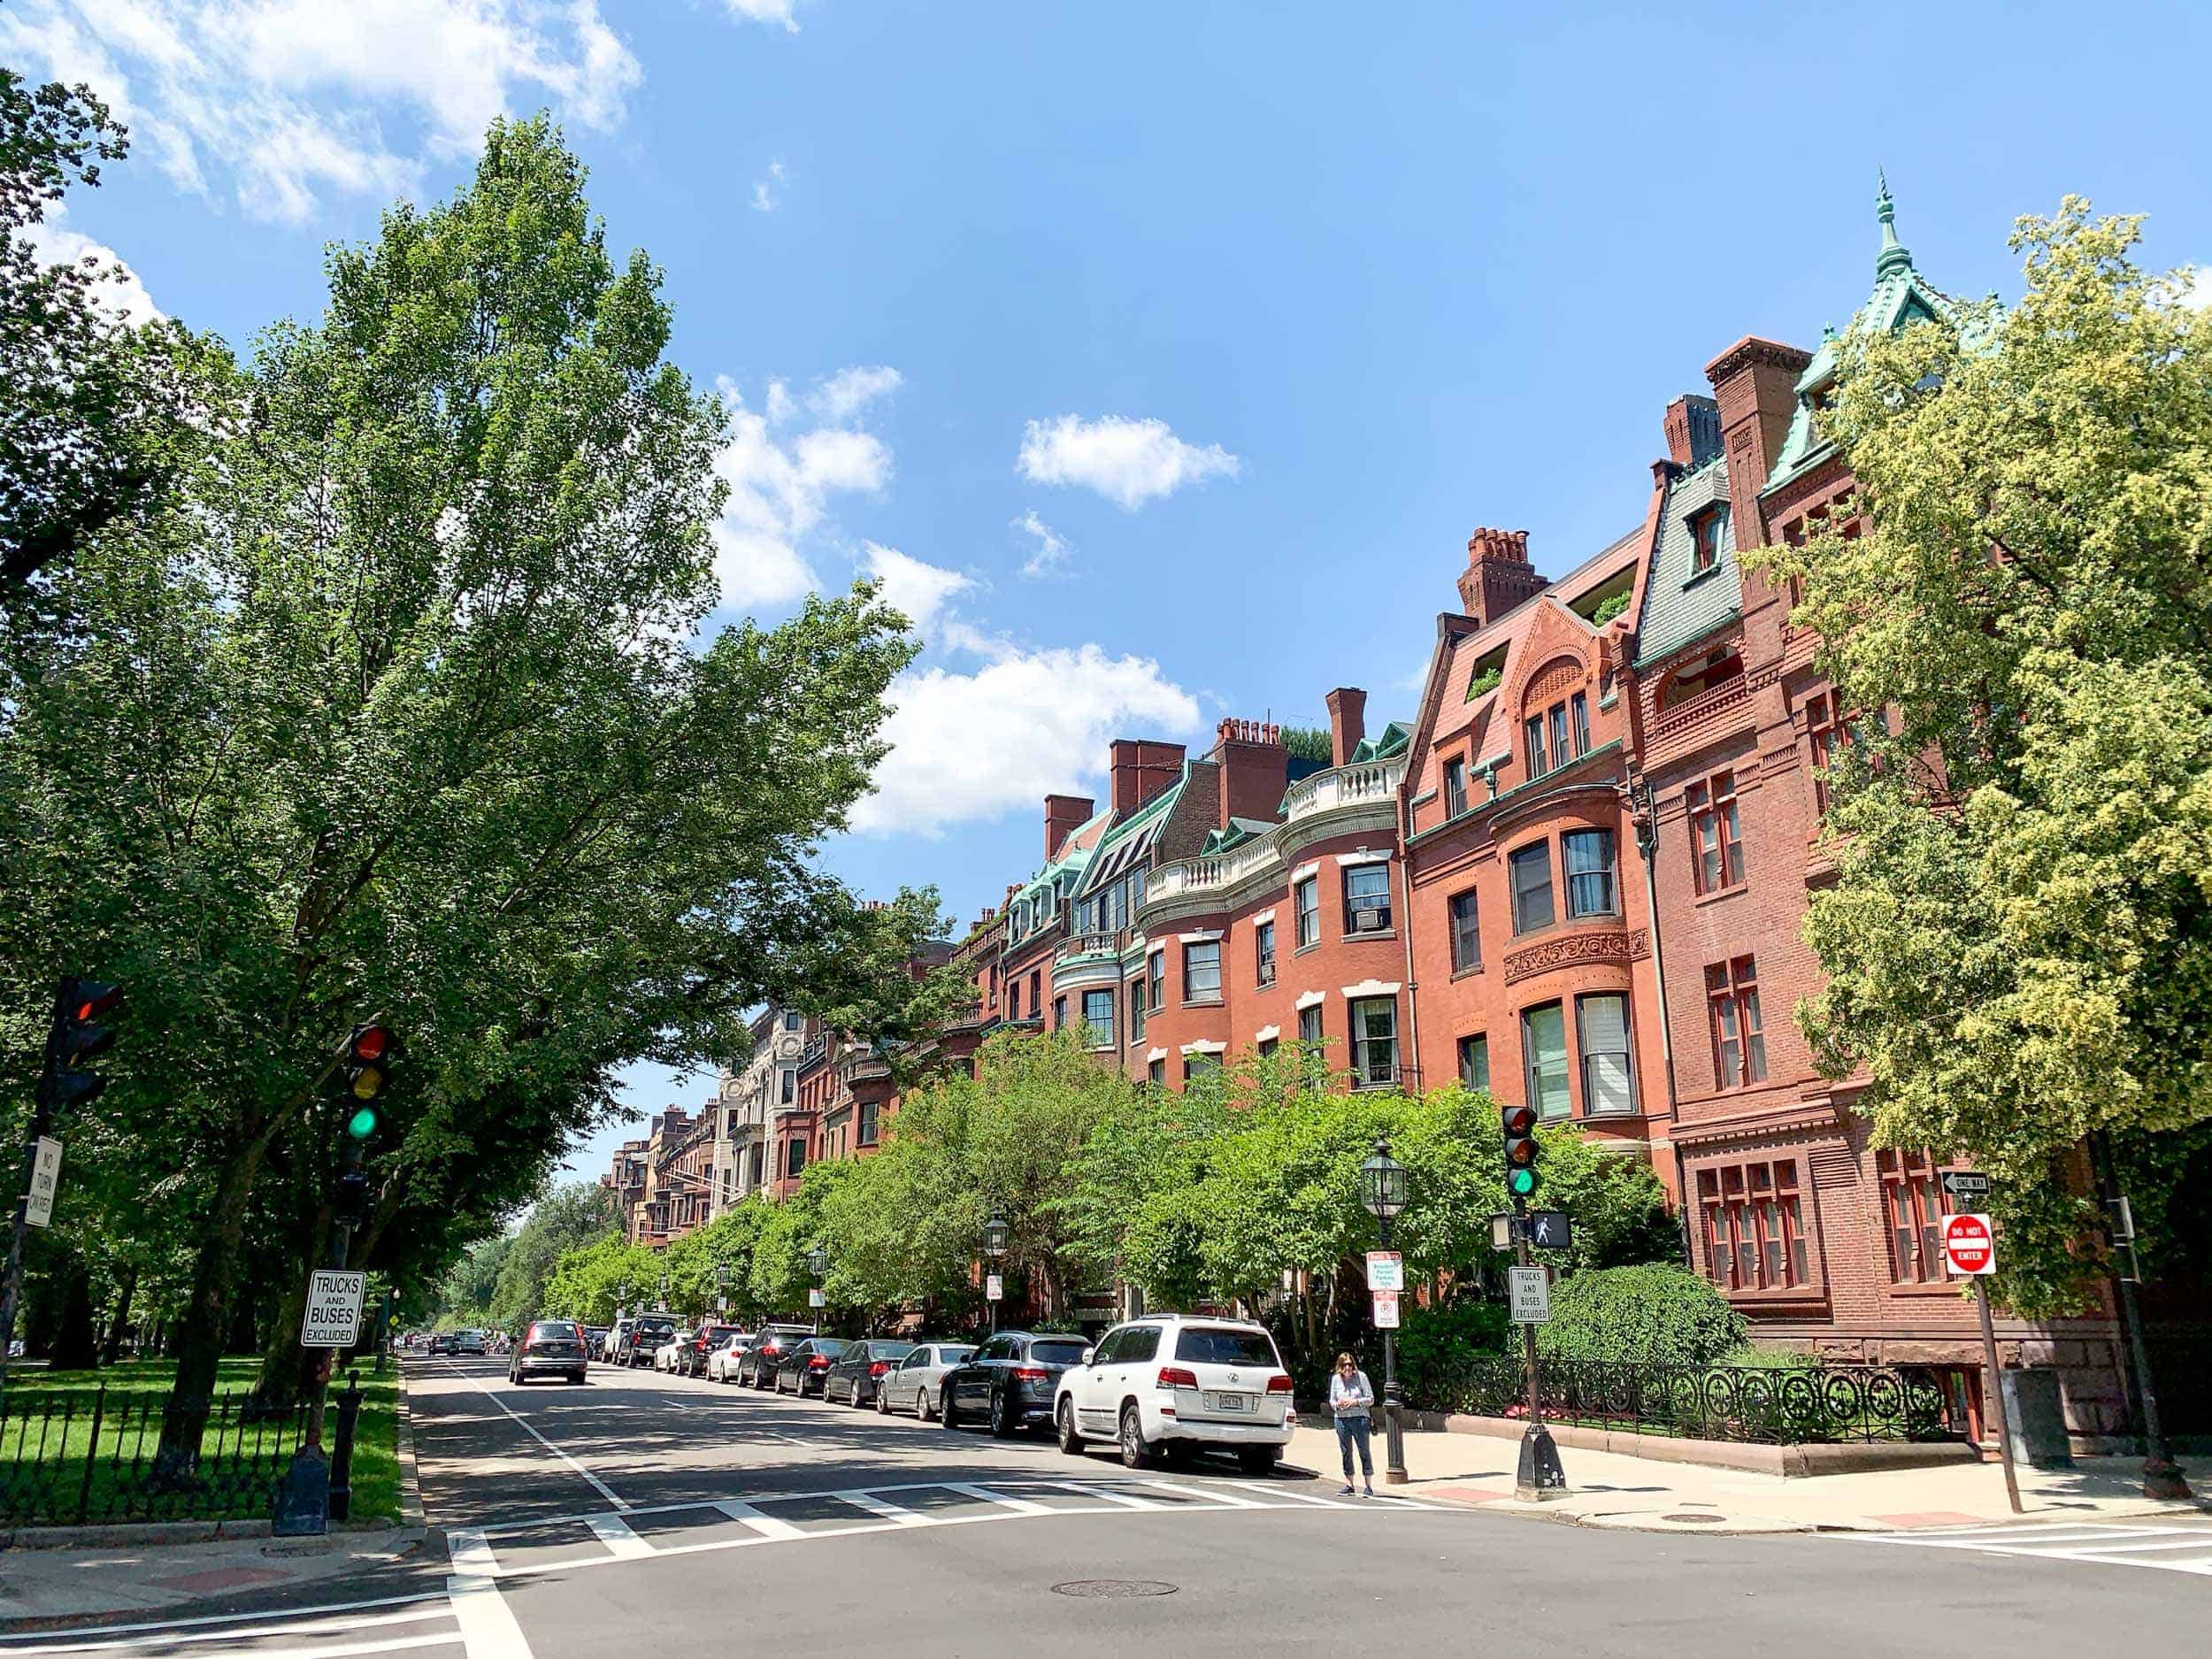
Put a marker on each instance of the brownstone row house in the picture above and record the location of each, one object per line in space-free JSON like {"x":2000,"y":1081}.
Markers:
{"x":1577,"y":876}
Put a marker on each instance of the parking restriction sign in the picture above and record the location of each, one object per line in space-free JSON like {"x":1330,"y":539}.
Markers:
{"x":1969,"y":1247}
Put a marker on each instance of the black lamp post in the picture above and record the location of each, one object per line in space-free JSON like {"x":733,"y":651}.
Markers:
{"x":995,"y":1238}
{"x":817,"y":1265}
{"x":722,"y":1288}
{"x":1382,"y":1188}
{"x":664,"y":1307}
{"x":621,"y":1298}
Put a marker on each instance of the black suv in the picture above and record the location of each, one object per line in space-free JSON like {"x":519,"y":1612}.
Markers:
{"x":1009,"y":1380}
{"x":642,"y":1338}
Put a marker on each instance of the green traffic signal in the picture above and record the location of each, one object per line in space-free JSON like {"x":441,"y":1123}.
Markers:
{"x":1520,"y":1183}
{"x":362,"y":1124}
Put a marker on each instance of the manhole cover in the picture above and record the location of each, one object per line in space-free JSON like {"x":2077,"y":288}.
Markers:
{"x":1108,"y":1589}
{"x":1699,"y":1520}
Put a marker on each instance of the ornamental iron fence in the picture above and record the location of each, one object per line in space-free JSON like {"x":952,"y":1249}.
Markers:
{"x":90,"y":1456}
{"x":1779,"y":1405}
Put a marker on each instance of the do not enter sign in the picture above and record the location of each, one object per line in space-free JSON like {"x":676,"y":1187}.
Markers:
{"x":1968,"y":1246}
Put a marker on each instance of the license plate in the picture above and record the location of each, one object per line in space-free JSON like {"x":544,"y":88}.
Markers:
{"x":1228,"y":1402}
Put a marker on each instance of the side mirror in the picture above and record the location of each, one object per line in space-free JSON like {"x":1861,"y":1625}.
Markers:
{"x":1086,"y":1355}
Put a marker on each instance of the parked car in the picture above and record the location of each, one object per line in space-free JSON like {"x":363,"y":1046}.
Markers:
{"x":441,"y":1342}
{"x":806,"y":1367}
{"x":596,"y":1340}
{"x":1176,"y":1384}
{"x":757,"y":1367}
{"x":911,"y":1385}
{"x":612,"y":1344}
{"x":664,"y":1356}
{"x":722,"y":1363}
{"x":646,"y":1334}
{"x":470,"y":1342}
{"x":1009,"y":1381}
{"x":553,"y":1347}
{"x":692,"y":1361}
{"x":858,"y":1372}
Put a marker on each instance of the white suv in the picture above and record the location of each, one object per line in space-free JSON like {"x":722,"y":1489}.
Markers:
{"x":1174,"y":1383}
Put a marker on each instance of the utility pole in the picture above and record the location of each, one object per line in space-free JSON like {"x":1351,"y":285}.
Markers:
{"x":1540,"y":1474}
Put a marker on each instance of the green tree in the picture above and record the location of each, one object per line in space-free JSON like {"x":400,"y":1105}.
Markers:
{"x":558,"y":1222}
{"x":728,"y":1242}
{"x":594,"y":1282}
{"x":402,"y":710}
{"x":2018,"y":942}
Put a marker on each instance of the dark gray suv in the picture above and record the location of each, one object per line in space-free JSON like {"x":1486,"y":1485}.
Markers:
{"x":1009,"y":1382}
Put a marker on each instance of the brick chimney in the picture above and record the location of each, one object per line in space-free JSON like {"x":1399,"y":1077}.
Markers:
{"x":1497,"y":576}
{"x":1064,"y":814}
{"x":1692,"y":430}
{"x":1347,"y":722}
{"x":1254,"y":769}
{"x":1755,"y":387}
{"x":1141,"y":768}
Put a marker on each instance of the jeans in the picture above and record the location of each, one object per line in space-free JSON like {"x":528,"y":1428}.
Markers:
{"x":1352,"y":1431}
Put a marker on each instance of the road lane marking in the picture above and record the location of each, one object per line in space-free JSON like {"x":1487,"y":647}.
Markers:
{"x":883,"y":1511}
{"x":170,"y":1625}
{"x":172,"y":1636}
{"x":487,"y":1624}
{"x":1208,"y":1493}
{"x":766,"y":1525}
{"x":615,"y":1533}
{"x":1126,"y":1500}
{"x":983,"y":1495}
{"x":594,"y":1481}
{"x":2083,"y":1542}
{"x":470,"y":1552}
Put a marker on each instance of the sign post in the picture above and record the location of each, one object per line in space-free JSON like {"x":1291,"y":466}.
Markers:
{"x":1970,"y":1250}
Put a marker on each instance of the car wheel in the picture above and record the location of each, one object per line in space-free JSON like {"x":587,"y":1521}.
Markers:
{"x":948,"y":1414}
{"x":1002,"y":1424}
{"x":1136,"y":1452}
{"x":1257,"y":1460}
{"x":1071,"y":1442}
{"x":922,"y":1408}
{"x":883,"y":1402}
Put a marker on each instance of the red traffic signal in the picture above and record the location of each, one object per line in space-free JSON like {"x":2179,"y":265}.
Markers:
{"x":368,"y":1045}
{"x":75,"y":1039}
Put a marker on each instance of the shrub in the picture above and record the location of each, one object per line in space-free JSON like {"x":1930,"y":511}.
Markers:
{"x":1435,"y":1343}
{"x":1651,"y":1314}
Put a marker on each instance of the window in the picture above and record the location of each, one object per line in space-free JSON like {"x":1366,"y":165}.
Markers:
{"x":1366,"y":898}
{"x":789,"y":1084}
{"x":1156,"y":1073}
{"x":1715,"y":833}
{"x":1059,"y":1013}
{"x":1705,"y":527}
{"x":1824,"y":734}
{"x":1754,"y":1226}
{"x":1530,"y":868}
{"x":1589,"y":860}
{"x":759,"y":1164}
{"x":1013,"y":999}
{"x":1036,"y":993}
{"x":1533,"y":745}
{"x":1579,"y":712}
{"x":1202,"y":971}
{"x":792,"y":1022}
{"x":1559,"y":734}
{"x":1139,"y":1344}
{"x":1098,"y":1014}
{"x":1560,"y":751}
{"x":1474,"y":1061}
{"x":1466,"y":932}
{"x":1305,"y":898}
{"x":1739,"y":1051}
{"x":1913,"y":1204}
{"x":1454,"y":788}
{"x":1608,"y":1085}
{"x":1309,"y":1023}
{"x":1263,"y":949}
{"x":1375,"y":1042}
{"x":867,"y":1116}
{"x":1155,"y":978}
{"x":794,"y":1158}
{"x":1200,"y":1060}
{"x":1544,"y":1048}
{"x":1265,"y":1049}
{"x":1136,"y":889}
{"x":1136,"y":1010}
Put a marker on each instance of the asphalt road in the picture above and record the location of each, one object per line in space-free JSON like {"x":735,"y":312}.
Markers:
{"x":650,"y":1514}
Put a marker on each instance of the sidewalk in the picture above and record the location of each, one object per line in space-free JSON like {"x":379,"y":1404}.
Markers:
{"x":1611,"y":1489}
{"x":84,"y":1583}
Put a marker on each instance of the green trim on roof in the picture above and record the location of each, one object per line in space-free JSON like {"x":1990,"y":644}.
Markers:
{"x":1396,"y":738}
{"x":1145,"y":813}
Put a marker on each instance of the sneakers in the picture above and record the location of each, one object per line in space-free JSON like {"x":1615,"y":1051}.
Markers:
{"x":1371,"y":1492}
{"x":1346,"y":1492}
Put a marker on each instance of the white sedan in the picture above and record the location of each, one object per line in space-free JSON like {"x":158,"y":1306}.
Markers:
{"x":722,"y":1363}
{"x":911,"y":1385}
{"x":664,"y":1356}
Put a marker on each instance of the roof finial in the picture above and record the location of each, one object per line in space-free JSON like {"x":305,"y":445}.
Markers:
{"x":1893,"y":256}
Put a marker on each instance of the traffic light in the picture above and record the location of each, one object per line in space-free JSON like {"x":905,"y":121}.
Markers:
{"x":77,"y":1038}
{"x":1521,"y":1150}
{"x":369,"y":1052}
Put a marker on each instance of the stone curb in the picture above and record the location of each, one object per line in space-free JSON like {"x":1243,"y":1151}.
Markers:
{"x":1789,"y":1461}
{"x":410,"y":1488}
{"x":154,"y":1534}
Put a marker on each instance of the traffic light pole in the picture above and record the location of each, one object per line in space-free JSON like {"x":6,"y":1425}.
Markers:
{"x":11,"y":1288}
{"x":1540,"y":1474}
{"x":2162,"y":1477}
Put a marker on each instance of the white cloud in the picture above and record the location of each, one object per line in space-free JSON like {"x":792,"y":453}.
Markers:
{"x":284,"y":101}
{"x":2197,"y":290}
{"x":54,"y":243}
{"x":766,"y":192}
{"x":848,"y":391}
{"x":917,"y":589}
{"x":1027,"y":724}
{"x":1129,"y":462}
{"x":779,"y":491}
{"x":1050,"y":556}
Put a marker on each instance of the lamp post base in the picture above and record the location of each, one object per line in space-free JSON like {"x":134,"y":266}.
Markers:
{"x":1539,"y":1476}
{"x":2163,"y":1478}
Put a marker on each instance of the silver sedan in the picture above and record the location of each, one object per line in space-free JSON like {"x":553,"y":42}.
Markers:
{"x":911,"y":1385}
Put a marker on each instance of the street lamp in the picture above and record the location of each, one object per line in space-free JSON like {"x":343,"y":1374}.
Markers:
{"x":721,"y":1287}
{"x":1382,"y":1189}
{"x":995,"y":1238}
{"x":621,"y":1298}
{"x":663,"y":1293}
{"x":817,"y":1265}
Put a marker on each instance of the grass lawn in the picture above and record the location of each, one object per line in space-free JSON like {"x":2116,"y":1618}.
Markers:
{"x":48,"y":1475}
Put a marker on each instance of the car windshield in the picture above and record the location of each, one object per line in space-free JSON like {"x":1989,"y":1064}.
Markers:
{"x":829,"y":1345}
{"x":1057,"y":1353}
{"x":1220,"y":1345}
{"x":955,"y":1353}
{"x":889,"y":1350}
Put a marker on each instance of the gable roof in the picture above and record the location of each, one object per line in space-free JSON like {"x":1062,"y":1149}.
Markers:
{"x":1680,"y":604}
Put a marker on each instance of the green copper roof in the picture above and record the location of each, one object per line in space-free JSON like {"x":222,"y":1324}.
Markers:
{"x":1680,"y":606}
{"x":1392,"y":739}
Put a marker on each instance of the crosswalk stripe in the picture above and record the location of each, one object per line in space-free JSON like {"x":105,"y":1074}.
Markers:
{"x":172,"y":1629}
{"x":885,"y":1511}
{"x":1208,"y":1495}
{"x":2115,"y":1548}
{"x":1128,"y":1501}
{"x":1277,"y":1489}
{"x":470,"y":1553}
{"x":487,"y":1624}
{"x":170,"y":1638}
{"x":766,"y":1525}
{"x":615,"y":1533}
{"x":1020,"y":1506}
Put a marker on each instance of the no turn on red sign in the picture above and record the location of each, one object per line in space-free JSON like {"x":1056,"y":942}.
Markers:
{"x":1969,"y":1247}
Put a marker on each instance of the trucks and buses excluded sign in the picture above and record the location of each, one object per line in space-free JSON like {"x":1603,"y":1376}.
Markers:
{"x":1969,"y":1248}
{"x":333,"y":1319}
{"x":1528,"y":1290}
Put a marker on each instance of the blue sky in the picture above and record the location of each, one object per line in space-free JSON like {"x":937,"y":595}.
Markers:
{"x":1161,"y":356}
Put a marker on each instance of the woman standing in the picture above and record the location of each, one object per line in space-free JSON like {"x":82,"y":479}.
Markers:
{"x":1352,"y":1398}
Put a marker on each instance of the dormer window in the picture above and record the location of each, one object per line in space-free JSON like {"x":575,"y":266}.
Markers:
{"x":1705,"y":528}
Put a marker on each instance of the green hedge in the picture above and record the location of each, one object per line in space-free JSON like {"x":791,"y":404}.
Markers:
{"x":1653,"y":1316}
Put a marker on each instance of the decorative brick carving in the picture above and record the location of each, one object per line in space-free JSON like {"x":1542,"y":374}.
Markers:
{"x":1621,"y":945}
